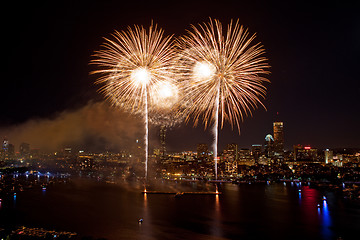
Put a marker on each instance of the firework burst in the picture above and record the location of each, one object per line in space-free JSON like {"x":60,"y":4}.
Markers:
{"x":222,"y":74}
{"x":132,"y":64}
{"x":165,"y":98}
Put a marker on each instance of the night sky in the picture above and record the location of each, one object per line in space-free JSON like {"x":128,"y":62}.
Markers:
{"x":49,"y":99}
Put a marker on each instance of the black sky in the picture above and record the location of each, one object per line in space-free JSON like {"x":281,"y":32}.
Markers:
{"x":313,"y":50}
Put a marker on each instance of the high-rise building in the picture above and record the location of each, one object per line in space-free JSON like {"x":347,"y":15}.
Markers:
{"x":269,"y":145}
{"x":328,"y":156}
{"x":232,"y":151}
{"x":256,"y":150}
{"x":11,"y":150}
{"x":230,"y":157}
{"x":245,"y":157}
{"x":305,"y":154}
{"x":162,"y":141}
{"x":24,"y":149}
{"x":202,"y":150}
{"x":279,"y":137}
{"x":5,"y":145}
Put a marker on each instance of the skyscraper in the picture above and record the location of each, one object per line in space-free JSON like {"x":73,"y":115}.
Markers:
{"x":256,"y":152}
{"x":162,"y":141}
{"x":328,"y":156}
{"x":5,"y":145}
{"x":279,"y":137}
{"x":232,"y":150}
{"x":24,"y":149}
{"x":269,"y":145}
{"x":5,"y":149}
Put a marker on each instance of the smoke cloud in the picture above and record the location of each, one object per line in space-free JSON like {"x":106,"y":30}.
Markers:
{"x":95,"y":127}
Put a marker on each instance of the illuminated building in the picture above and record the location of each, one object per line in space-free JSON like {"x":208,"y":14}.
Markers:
{"x":338,"y":160}
{"x":269,"y":145}
{"x":231,"y":167}
{"x":305,"y":154}
{"x":256,"y":150}
{"x":328,"y":156}
{"x":5,"y":145}
{"x":230,"y":157}
{"x":245,"y":157}
{"x":162,"y":141}
{"x":231,"y":151}
{"x":278,"y":128}
{"x":86,"y":163}
{"x":202,"y":151}
{"x":8,"y":150}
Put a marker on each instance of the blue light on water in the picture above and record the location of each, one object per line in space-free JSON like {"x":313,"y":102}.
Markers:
{"x":326,"y":220}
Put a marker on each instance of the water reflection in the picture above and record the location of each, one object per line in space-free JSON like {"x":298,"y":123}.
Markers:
{"x":309,"y":201}
{"x":14,"y":200}
{"x":216,"y":226}
{"x":325,"y":219}
{"x":145,"y":220}
{"x":235,"y":214}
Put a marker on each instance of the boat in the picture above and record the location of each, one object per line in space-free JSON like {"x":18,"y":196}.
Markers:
{"x":179,"y":194}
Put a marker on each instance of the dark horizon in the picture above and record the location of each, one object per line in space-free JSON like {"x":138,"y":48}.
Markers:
{"x":47,"y":92}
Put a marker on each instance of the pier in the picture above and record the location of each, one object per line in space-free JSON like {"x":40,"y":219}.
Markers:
{"x":181,"y":193}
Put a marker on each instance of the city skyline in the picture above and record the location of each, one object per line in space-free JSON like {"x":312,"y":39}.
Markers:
{"x":160,"y":145}
{"x":313,"y":81}
{"x":180,"y":120}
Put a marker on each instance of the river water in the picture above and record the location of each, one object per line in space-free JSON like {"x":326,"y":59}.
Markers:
{"x":245,"y":211}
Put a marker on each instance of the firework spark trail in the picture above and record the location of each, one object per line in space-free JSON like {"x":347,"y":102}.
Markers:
{"x":221,"y":75}
{"x":216,"y":130}
{"x":146,"y":115}
{"x":131,"y":65}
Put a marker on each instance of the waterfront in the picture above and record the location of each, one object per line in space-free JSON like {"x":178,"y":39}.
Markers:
{"x":245,"y":211}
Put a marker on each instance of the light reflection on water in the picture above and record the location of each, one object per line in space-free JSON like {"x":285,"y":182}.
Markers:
{"x":325,"y":220}
{"x":216,"y":227}
{"x":112,"y":211}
